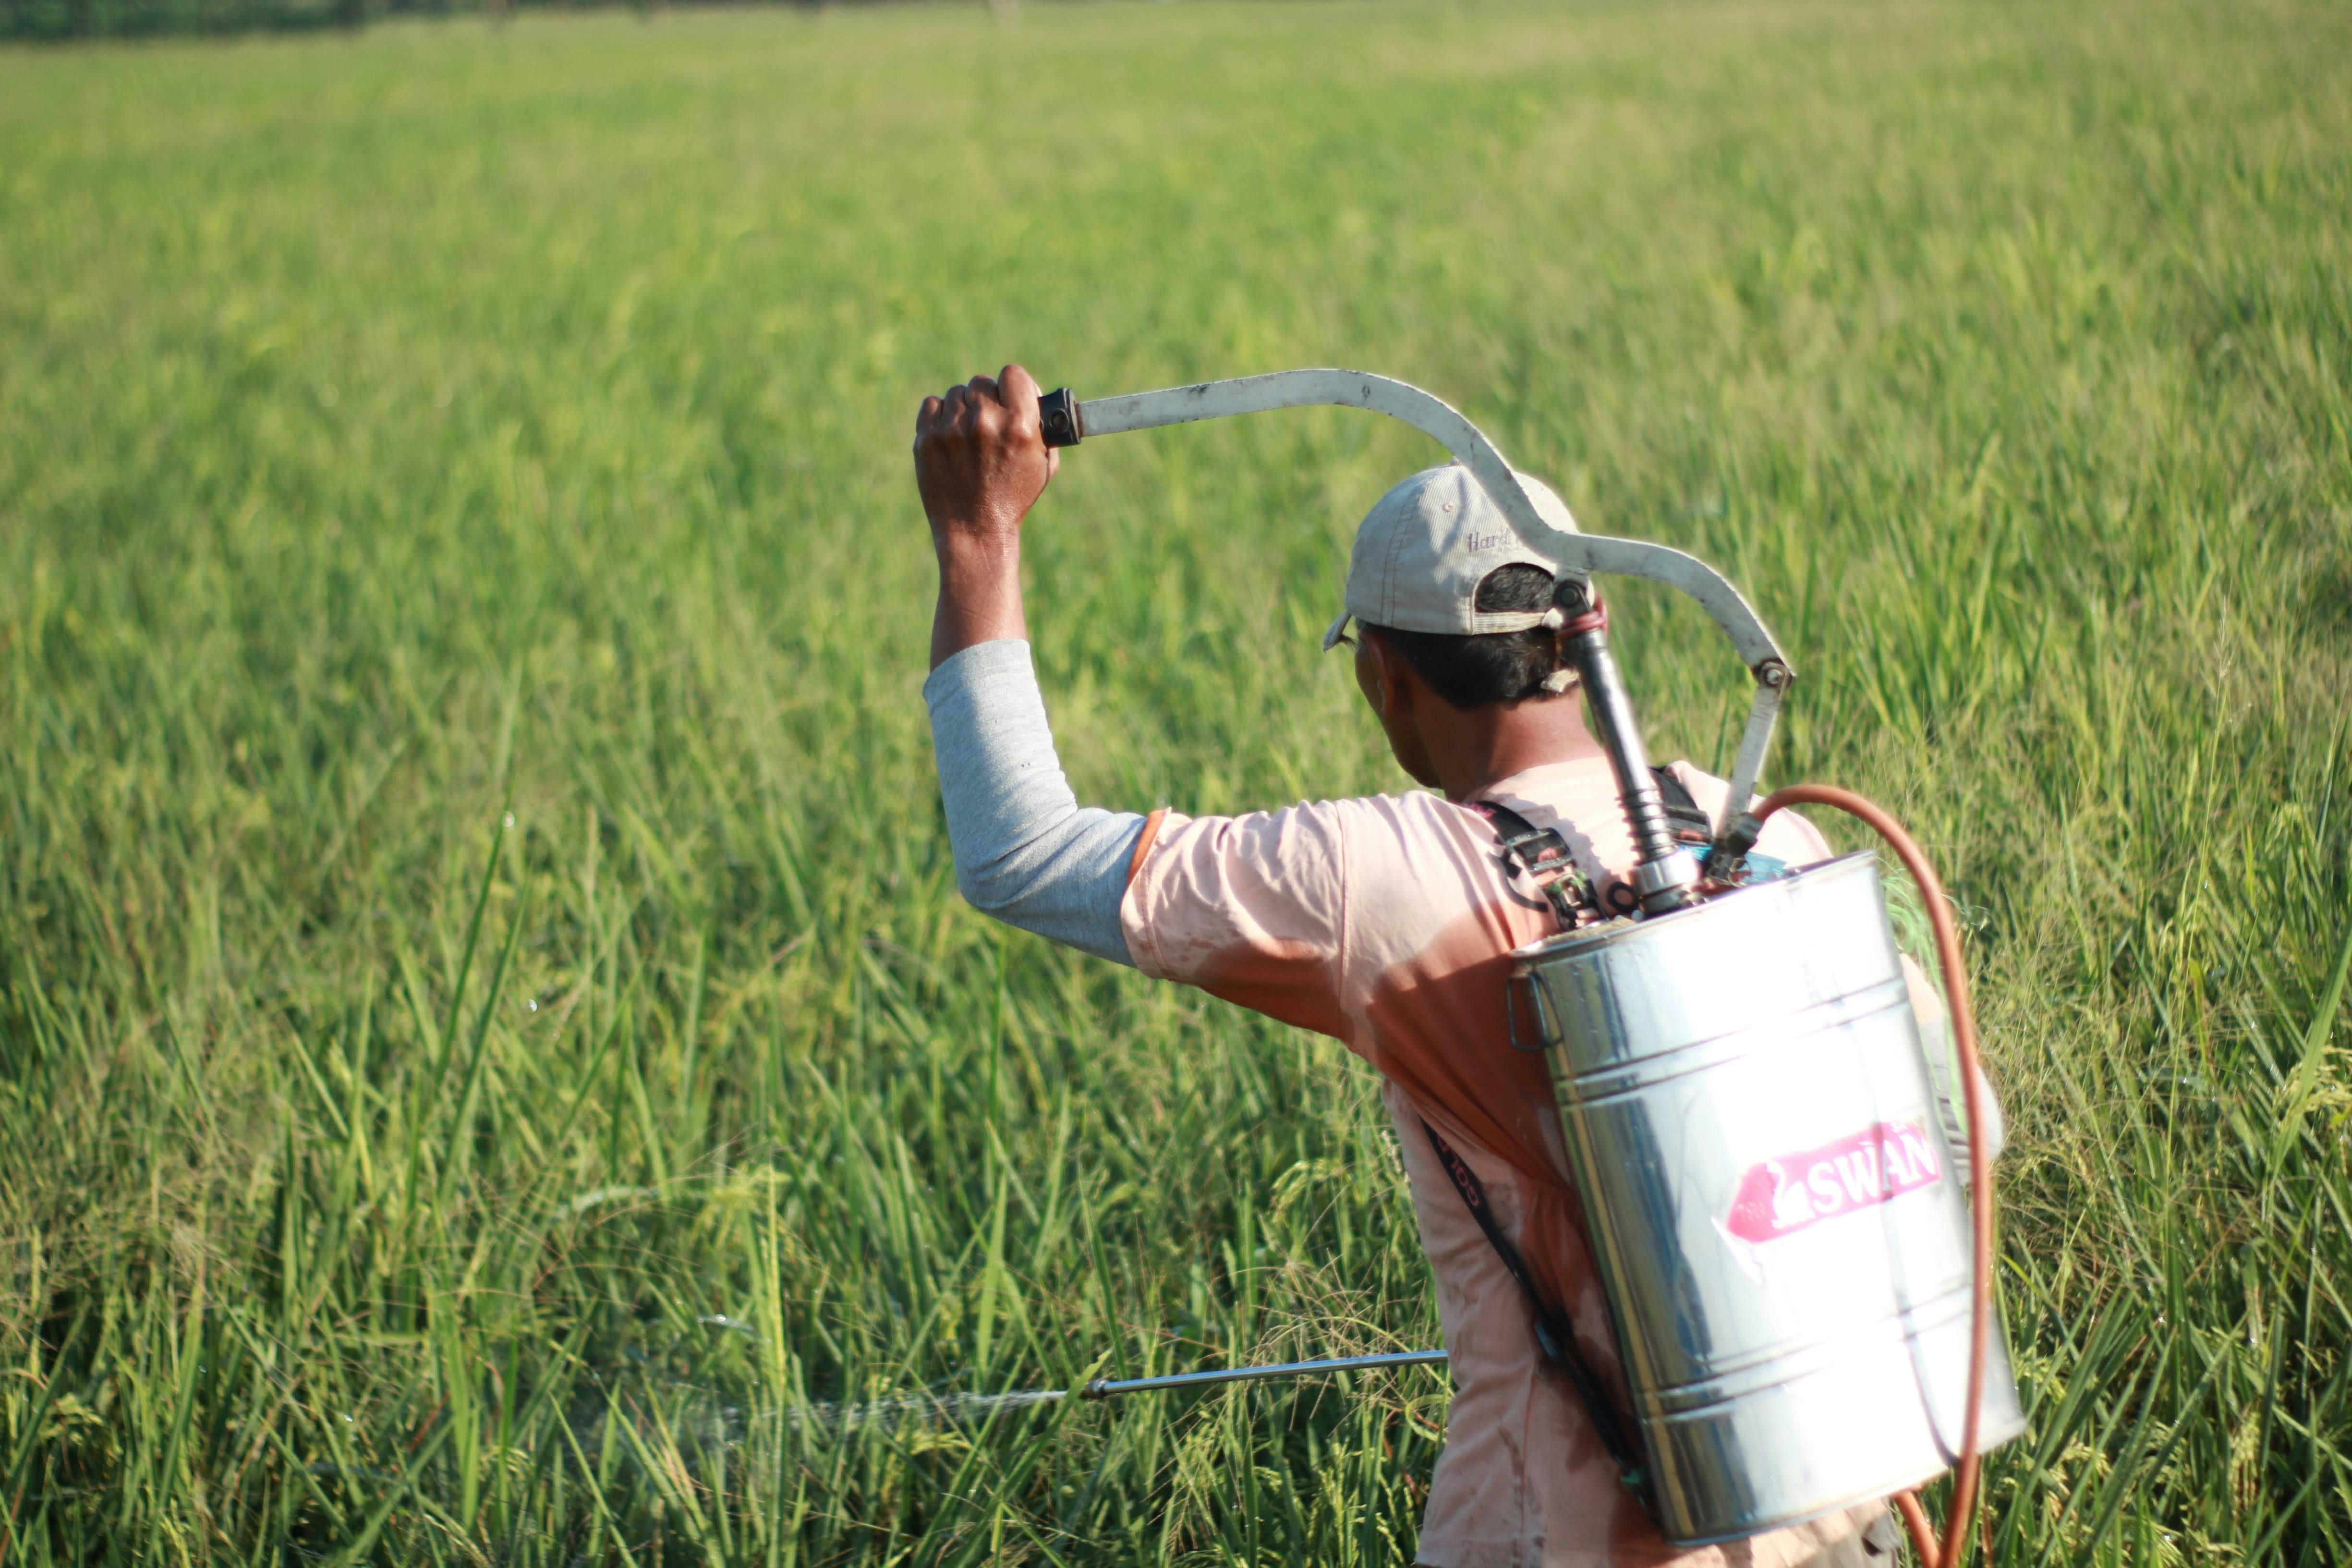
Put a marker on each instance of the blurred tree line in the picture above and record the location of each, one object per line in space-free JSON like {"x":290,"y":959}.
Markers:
{"x":147,"y":18}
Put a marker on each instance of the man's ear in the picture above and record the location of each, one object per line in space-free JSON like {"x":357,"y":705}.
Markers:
{"x":1390,"y":680}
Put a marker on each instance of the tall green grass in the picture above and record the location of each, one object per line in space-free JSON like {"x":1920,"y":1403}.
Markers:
{"x":495,"y":1067}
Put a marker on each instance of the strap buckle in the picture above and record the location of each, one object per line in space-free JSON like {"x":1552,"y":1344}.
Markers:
{"x":1543,"y":857}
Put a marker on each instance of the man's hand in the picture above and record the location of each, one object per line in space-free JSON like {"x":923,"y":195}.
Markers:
{"x":980,"y":460}
{"x":981,"y":464}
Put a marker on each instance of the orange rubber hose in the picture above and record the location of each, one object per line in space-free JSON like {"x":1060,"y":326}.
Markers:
{"x":1914,"y":1519}
{"x":1955,"y":1544}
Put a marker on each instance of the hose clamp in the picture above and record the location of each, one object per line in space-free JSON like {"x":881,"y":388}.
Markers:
{"x":1656,"y":879}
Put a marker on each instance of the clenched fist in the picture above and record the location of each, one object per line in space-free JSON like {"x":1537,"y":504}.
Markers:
{"x":981,"y":465}
{"x":980,"y":460}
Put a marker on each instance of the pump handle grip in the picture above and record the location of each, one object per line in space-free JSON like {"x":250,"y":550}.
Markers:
{"x":1057,"y":419}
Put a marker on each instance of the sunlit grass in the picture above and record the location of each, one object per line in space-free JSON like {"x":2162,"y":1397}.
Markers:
{"x":405,"y":436}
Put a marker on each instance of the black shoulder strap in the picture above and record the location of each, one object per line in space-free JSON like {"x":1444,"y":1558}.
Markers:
{"x":1544,"y":857}
{"x":1554,"y":1335}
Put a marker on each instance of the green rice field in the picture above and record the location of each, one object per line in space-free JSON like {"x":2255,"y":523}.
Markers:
{"x":493,"y":1067}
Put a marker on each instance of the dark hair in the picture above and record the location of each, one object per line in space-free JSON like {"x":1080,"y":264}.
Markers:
{"x":1470,"y":671}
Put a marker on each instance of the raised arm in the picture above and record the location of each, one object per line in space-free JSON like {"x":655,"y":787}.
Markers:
{"x":1025,"y":851}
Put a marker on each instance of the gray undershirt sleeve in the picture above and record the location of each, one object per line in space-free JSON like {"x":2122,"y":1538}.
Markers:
{"x":1025,"y":851}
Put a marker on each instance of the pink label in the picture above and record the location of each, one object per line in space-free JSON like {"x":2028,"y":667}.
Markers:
{"x":1861,"y":1169}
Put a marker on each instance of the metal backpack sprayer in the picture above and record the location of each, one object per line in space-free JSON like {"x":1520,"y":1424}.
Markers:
{"x":1798,"y":1286}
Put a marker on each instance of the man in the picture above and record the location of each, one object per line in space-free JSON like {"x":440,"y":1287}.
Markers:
{"x":1385,"y":922}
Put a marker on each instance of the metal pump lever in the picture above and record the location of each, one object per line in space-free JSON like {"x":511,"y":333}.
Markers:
{"x":1067,"y":421}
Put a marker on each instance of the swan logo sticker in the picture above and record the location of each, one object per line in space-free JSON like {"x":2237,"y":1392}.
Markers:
{"x":1860,"y":1171}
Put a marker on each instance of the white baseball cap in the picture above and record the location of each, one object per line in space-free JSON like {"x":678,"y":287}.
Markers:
{"x":1425,"y":546}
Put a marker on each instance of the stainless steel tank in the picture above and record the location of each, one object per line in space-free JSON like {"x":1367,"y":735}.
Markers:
{"x":1778,"y":1222}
